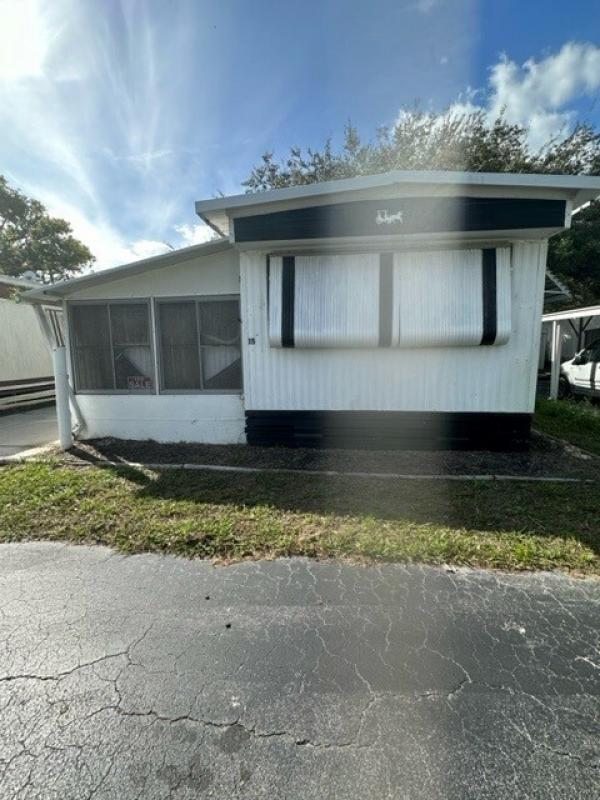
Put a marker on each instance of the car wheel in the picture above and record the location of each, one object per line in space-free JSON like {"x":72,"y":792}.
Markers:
{"x":564,"y":389}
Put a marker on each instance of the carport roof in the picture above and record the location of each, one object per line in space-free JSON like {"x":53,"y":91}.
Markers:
{"x":572,"y":313}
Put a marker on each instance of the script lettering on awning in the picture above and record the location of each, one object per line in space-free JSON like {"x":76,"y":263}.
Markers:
{"x":385,"y":218}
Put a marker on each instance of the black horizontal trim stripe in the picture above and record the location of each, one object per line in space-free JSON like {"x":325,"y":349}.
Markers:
{"x":408,"y":215}
{"x":389,"y":430}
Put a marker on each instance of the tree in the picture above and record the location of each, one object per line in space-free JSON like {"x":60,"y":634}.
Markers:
{"x":575,"y":255}
{"x":30,"y":239}
{"x":422,"y":140}
{"x":467,"y":141}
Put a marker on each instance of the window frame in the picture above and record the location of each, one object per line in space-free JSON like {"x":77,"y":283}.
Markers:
{"x":151,"y":343}
{"x":196,"y":299}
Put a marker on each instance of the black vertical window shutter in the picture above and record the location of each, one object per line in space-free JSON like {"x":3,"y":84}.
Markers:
{"x":288,"y":289}
{"x":488,"y":283}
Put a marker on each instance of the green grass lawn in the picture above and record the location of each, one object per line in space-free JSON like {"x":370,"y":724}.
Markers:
{"x":576,"y":422}
{"x":225,"y":516}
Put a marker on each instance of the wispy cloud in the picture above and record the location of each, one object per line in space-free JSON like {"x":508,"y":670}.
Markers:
{"x":426,"y":6}
{"x":94,"y":126}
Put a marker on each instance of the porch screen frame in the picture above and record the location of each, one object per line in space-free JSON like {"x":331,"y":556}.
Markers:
{"x":70,"y":304}
{"x":196,"y":300}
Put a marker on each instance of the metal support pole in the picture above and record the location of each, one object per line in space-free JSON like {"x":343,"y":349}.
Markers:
{"x":61,"y":387}
{"x":555,"y":359}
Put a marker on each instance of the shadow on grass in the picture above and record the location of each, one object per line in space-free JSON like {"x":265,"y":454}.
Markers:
{"x":541,"y":509}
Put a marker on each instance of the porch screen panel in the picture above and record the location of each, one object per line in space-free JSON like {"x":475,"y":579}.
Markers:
{"x":220,"y":344}
{"x":132,"y":353}
{"x":326,"y":301}
{"x":91,"y":347}
{"x":179,"y":355}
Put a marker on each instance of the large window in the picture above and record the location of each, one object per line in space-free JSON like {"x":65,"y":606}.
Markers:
{"x":199,"y":345}
{"x":111,"y":347}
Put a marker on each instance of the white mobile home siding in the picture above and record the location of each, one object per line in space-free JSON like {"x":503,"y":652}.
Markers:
{"x":24,"y":352}
{"x":499,"y":378}
{"x":192,"y":417}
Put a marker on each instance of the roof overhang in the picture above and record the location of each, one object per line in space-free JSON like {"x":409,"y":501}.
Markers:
{"x":18,"y":283}
{"x":413,"y":187}
{"x":57,"y":291}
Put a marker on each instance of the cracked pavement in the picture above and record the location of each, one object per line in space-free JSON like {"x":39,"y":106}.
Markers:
{"x":156,"y":677}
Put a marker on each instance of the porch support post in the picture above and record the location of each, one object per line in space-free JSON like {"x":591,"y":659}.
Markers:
{"x":61,"y":387}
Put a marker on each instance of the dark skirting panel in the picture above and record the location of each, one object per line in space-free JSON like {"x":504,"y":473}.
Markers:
{"x":389,"y":430}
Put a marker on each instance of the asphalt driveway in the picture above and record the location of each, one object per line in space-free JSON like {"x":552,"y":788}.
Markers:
{"x":22,"y":430}
{"x":154,"y":677}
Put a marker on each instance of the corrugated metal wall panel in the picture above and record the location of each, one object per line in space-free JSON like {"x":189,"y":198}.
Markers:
{"x":419,"y":379}
{"x":434,"y":299}
{"x":24,"y":352}
{"x":437,"y":298}
{"x":503,"y":294}
{"x":336,"y":301}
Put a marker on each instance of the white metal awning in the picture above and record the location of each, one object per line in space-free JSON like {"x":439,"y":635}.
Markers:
{"x":558,"y":320}
{"x":572,"y":313}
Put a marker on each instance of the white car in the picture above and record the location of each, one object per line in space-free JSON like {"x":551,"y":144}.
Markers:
{"x":581,"y":375}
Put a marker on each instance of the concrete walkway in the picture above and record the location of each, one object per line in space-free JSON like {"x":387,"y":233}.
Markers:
{"x":23,"y":430}
{"x":154,"y":677}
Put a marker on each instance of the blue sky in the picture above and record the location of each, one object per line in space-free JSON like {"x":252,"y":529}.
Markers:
{"x":119,"y":114}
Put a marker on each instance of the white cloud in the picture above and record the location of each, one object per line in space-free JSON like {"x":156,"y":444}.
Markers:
{"x":426,"y":6}
{"x":24,"y":40}
{"x":146,"y":159}
{"x":108,"y":246}
{"x":194,"y":234}
{"x":145,"y":248}
{"x":539,"y":94}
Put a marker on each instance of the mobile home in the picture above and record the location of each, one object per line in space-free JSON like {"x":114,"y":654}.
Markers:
{"x":395,"y":310}
{"x":26,"y":376}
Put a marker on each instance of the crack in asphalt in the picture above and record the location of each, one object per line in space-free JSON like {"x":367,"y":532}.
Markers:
{"x":377,"y":668}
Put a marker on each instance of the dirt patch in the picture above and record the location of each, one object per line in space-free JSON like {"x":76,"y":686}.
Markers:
{"x":545,"y":457}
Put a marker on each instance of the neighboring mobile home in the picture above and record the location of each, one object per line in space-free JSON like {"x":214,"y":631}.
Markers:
{"x":395,"y":310}
{"x":26,"y":375}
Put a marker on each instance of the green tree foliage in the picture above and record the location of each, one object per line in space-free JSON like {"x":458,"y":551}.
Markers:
{"x":459,"y":141}
{"x":575,"y":256}
{"x":30,"y":239}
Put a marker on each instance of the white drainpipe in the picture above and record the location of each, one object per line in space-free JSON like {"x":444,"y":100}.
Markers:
{"x":61,"y":387}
